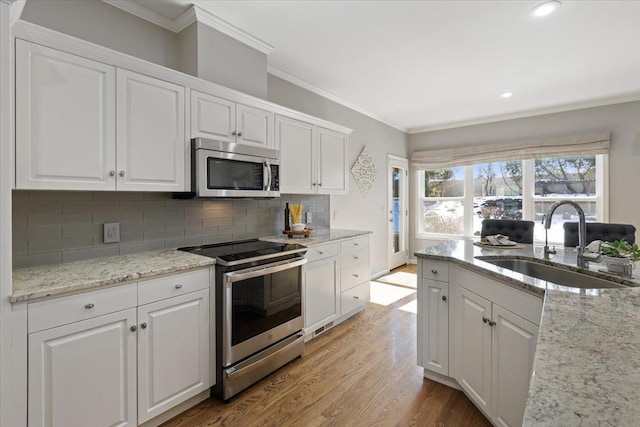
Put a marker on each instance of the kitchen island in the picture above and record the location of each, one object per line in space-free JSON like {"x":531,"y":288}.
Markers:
{"x":586,"y":369}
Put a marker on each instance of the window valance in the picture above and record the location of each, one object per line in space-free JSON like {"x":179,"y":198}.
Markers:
{"x":584,"y":144}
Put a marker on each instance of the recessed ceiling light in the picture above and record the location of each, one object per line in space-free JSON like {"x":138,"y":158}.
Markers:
{"x":507,"y":94}
{"x":544,"y":9}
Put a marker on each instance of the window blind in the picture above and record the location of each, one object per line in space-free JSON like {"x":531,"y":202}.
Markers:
{"x":570,"y":145}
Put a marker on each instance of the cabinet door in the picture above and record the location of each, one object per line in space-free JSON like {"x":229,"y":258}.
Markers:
{"x":65,"y":120}
{"x":514,"y":346}
{"x":321,"y":297}
{"x":295,"y":140}
{"x":332,"y":162}
{"x":173,"y":352}
{"x":150,"y":134}
{"x":435,"y":327}
{"x":83,"y":374}
{"x":254,"y":126}
{"x":212,"y":117}
{"x":474,"y":348}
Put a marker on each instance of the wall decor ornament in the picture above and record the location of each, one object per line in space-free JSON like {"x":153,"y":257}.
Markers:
{"x":364,"y":171}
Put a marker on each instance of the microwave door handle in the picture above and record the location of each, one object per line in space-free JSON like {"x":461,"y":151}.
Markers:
{"x":237,"y":276}
{"x":267,"y":176}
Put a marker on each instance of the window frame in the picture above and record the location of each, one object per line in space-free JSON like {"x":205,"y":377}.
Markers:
{"x":529,"y":199}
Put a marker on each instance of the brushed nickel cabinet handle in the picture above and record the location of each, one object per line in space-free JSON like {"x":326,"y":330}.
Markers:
{"x":112,"y":173}
{"x":143,"y":326}
{"x":239,"y":133}
{"x":444,"y":297}
{"x":434,"y":271}
{"x":234,"y":133}
{"x":178,"y":286}
{"x":356,"y":297}
{"x":89,"y":306}
{"x":355,"y":275}
{"x":320,"y":252}
{"x":356,"y":257}
{"x":133,"y":328}
{"x":121,"y":174}
{"x":492,"y":323}
{"x":485,"y":319}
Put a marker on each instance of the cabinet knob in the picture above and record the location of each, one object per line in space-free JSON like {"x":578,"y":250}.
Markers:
{"x":356,"y":257}
{"x":112,"y":173}
{"x":89,"y":306}
{"x":444,"y":297}
{"x":434,"y":271}
{"x":356,"y":297}
{"x":234,"y":133}
{"x":355,"y":275}
{"x":178,"y":286}
{"x":492,"y":323}
{"x":133,"y":328}
{"x":239,"y":133}
{"x":355,"y":243}
{"x":314,"y":184}
{"x":320,"y":252}
{"x":319,"y":184}
{"x":121,"y":174}
{"x":143,"y":326}
{"x":485,"y":319}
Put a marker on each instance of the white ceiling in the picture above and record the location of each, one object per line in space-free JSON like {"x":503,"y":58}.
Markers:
{"x":422,"y":65}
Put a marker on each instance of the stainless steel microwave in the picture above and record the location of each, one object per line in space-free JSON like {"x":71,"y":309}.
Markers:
{"x":226,"y":169}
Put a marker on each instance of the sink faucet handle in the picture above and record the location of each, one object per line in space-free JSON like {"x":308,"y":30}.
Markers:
{"x":544,"y":218}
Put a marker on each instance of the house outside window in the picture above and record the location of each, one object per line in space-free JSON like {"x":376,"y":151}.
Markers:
{"x":453,"y":202}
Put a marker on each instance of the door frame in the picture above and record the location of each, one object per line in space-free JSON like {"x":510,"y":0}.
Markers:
{"x":402,"y":257}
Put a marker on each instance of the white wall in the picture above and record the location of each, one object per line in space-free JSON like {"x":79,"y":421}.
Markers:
{"x":623,"y":120}
{"x":353,"y":211}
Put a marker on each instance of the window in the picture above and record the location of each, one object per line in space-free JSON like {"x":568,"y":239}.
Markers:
{"x":455,"y":201}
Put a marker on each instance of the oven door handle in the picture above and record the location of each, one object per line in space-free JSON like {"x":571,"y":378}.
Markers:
{"x":236,"y":276}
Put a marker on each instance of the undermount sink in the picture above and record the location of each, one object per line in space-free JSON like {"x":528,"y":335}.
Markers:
{"x":553,"y":274}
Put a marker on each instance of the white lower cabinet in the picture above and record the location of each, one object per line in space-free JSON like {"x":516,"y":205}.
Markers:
{"x":173,"y":352}
{"x":491,"y":349}
{"x":89,"y":353}
{"x":322,"y":303}
{"x":84,"y":374}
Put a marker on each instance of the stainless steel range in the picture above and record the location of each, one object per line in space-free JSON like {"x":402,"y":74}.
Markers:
{"x":259,"y":310}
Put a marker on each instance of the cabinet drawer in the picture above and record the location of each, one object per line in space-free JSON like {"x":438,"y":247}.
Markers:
{"x":323,"y":251}
{"x":355,"y":298}
{"x":347,"y":259}
{"x":354,"y":275}
{"x":171,"y":286}
{"x":353,"y":244}
{"x":61,"y":311}
{"x":435,"y":270}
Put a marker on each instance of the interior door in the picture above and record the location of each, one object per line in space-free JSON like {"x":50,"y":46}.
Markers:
{"x":398,"y":209}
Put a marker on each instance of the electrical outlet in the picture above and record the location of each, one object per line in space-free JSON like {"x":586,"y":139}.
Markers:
{"x":111,"y":232}
{"x":309,"y":218}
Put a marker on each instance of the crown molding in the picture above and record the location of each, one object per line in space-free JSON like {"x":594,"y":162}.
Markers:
{"x":210,"y":20}
{"x":188,"y":17}
{"x":326,"y":94}
{"x":591,"y":103}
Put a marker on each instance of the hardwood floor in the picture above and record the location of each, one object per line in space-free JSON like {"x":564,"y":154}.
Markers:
{"x":362,"y":372}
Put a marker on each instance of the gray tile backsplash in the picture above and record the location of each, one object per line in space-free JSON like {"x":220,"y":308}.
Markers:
{"x":62,"y":226}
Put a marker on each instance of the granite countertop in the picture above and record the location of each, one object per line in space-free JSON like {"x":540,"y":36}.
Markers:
{"x":587,"y":361}
{"x":53,"y":280}
{"x":318,"y":237}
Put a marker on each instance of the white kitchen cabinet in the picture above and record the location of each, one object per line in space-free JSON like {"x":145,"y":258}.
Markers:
{"x":495,"y":347}
{"x":84,"y":125}
{"x":474,"y":349}
{"x":312,"y":159}
{"x":322,"y":293}
{"x":84,"y":373}
{"x":354,"y":274}
{"x":173,"y":352}
{"x":65,"y":120}
{"x":224,"y":120}
{"x":433,"y":316}
{"x":150,"y":134}
{"x":513,"y":351}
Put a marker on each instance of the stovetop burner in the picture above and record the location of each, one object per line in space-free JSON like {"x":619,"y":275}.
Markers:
{"x":244,"y":251}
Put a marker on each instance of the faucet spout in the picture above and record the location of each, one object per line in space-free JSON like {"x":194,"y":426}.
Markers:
{"x":582,"y":228}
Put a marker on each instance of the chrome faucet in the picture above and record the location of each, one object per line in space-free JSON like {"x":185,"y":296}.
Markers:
{"x":582,"y":230}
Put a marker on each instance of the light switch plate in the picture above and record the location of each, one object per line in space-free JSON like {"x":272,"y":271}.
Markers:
{"x":309,"y":218}
{"x":111,"y":232}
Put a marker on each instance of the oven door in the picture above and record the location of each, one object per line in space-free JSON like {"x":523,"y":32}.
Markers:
{"x":222,"y":174}
{"x":261,"y":306}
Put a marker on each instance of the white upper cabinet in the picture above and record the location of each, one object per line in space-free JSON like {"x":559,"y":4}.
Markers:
{"x":218,"y":118}
{"x":332,"y":158}
{"x":65,"y":120}
{"x":151,"y":134}
{"x":67,"y":135}
{"x":312,"y":159}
